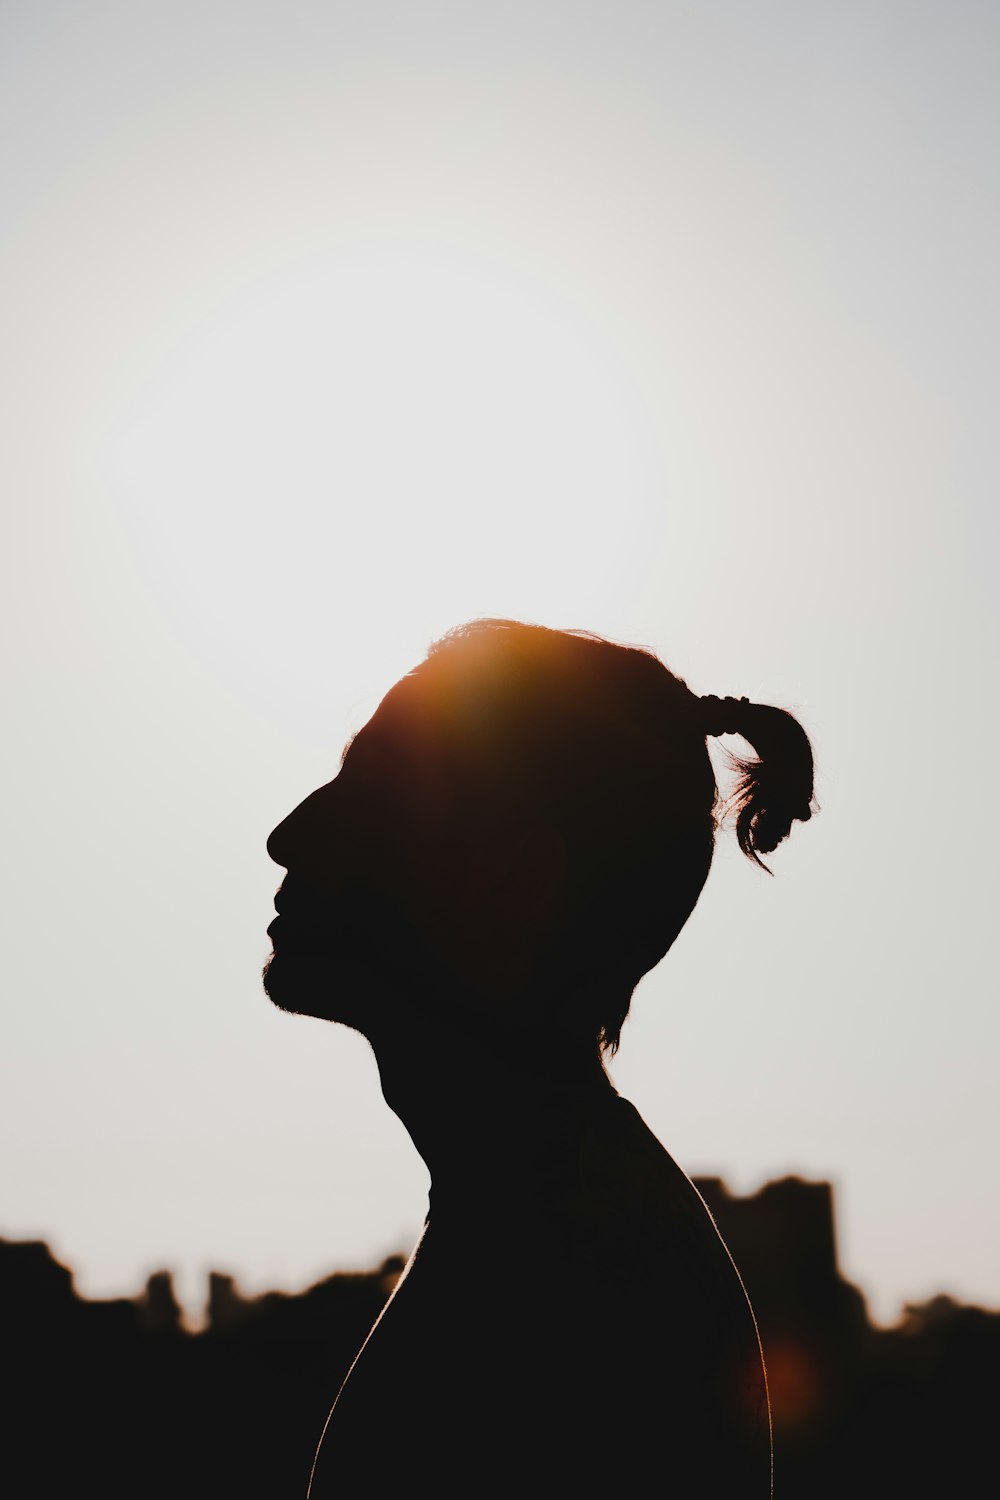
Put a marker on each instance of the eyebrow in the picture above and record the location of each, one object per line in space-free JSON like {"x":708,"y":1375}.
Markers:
{"x":343,"y":753}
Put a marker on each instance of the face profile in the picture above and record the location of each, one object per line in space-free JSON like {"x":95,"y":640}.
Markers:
{"x":402,"y":873}
{"x":356,"y":851}
{"x":513,"y":840}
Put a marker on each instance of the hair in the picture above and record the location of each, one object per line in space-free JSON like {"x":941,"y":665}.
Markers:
{"x":606,"y":745}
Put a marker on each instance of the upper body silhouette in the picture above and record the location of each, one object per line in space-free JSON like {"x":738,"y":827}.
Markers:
{"x":514,"y":838}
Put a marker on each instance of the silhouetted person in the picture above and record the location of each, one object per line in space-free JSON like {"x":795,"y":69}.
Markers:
{"x":515,"y":837}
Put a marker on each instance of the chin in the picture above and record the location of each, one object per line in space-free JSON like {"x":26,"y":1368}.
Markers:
{"x":293,"y":985}
{"x":301,"y":986}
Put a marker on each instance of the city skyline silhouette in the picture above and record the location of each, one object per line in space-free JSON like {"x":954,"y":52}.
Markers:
{"x":854,"y":1405}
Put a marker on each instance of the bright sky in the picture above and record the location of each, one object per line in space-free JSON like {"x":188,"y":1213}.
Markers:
{"x":327,"y":326}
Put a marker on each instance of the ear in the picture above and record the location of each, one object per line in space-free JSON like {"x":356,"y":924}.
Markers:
{"x":529,"y":874}
{"x":544,"y":867}
{"x":519,"y":901}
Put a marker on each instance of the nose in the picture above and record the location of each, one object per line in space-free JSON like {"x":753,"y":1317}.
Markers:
{"x":295,"y":836}
{"x":276,"y":843}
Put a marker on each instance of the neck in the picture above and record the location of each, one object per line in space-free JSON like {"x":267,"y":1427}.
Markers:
{"x":480,"y":1110}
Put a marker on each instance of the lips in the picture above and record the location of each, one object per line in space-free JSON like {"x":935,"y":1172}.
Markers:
{"x":307,"y":899}
{"x":298,"y":932}
{"x":312,"y":919}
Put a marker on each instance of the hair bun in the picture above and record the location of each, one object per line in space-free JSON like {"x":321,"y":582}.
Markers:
{"x":775,"y":790}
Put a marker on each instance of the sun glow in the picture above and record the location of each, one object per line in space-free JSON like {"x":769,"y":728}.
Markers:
{"x":350,"y":456}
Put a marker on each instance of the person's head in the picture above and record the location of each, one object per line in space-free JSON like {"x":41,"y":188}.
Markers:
{"x":528,"y":819}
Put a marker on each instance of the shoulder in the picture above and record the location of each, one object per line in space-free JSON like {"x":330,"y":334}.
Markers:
{"x":632,"y":1189}
{"x":645,"y":1229}
{"x":670,"y":1298}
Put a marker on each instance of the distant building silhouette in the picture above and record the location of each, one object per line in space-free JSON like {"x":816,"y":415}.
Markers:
{"x":813,"y":1325}
{"x":121,"y":1397}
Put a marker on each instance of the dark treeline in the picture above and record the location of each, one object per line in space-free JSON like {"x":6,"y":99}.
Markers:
{"x":118,"y":1398}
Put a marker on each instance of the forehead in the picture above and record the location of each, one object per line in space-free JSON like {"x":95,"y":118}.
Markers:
{"x":436,"y":737}
{"x":400,"y":724}
{"x":399,"y":750}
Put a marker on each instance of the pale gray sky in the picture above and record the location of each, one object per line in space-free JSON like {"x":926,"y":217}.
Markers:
{"x":327,"y":326}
